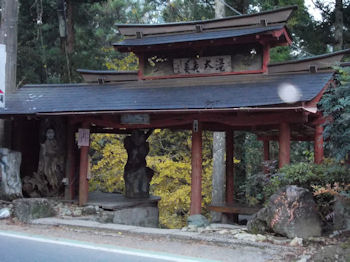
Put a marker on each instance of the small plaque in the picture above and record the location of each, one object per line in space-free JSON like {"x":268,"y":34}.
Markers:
{"x":2,"y":75}
{"x":202,"y":65}
{"x":135,"y":119}
{"x":84,"y":137}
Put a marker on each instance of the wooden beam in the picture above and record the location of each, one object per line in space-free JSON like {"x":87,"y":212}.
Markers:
{"x":318,"y":145}
{"x":101,"y":130}
{"x":196,"y":181}
{"x":229,"y":166}
{"x":284,"y":144}
{"x":234,"y":209}
{"x":240,"y":120}
{"x":83,"y":171}
{"x":292,"y":138}
{"x":204,"y":75}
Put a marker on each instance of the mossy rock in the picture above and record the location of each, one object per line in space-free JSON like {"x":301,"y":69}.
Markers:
{"x":27,"y":209}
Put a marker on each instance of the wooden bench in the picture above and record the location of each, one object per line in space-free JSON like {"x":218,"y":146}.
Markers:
{"x":234,"y":208}
{"x":231,"y":211}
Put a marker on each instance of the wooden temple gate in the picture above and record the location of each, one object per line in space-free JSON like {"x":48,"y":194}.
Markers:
{"x":284,"y":123}
{"x":204,"y":75}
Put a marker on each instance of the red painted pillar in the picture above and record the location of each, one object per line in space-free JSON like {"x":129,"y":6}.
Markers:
{"x":229,"y":167}
{"x":196,"y":181}
{"x":284,"y":145}
{"x":318,"y":144}
{"x":83,"y":181}
{"x":266,"y":155}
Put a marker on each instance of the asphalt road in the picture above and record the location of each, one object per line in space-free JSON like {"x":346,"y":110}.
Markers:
{"x":21,"y":247}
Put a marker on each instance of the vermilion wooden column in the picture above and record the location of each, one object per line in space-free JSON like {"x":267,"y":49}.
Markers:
{"x":196,"y":181}
{"x":266,"y":154}
{"x":318,"y":144}
{"x":284,"y":145}
{"x":229,"y":167}
{"x":83,"y":182}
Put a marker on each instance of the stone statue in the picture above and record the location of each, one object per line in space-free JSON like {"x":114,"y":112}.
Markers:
{"x":137,"y":175}
{"x":10,"y":180}
{"x":47,"y":181}
{"x":51,"y":166}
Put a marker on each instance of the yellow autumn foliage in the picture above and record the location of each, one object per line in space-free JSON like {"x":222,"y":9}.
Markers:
{"x":170,"y":159}
{"x":127,"y":63}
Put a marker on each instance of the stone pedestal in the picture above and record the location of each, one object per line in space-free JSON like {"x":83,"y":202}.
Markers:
{"x":10,"y":179}
{"x":143,"y":216}
{"x":122,"y":210}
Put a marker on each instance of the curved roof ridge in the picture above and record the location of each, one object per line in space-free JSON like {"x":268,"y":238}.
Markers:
{"x":311,"y":58}
{"x":271,"y":17}
{"x":195,"y":22}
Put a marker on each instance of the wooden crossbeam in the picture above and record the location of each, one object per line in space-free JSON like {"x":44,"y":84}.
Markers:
{"x":243,"y":120}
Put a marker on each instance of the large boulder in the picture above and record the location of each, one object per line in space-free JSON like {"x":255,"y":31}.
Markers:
{"x":10,"y":179}
{"x":341,"y":217}
{"x":27,"y":209}
{"x":291,"y":212}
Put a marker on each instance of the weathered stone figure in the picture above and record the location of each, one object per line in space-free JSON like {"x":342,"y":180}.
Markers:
{"x":10,"y":180}
{"x":137,"y":175}
{"x":47,"y":180}
{"x":51,"y":162}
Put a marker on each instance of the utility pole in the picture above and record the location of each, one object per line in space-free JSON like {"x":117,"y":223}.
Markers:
{"x":8,"y":38}
{"x":339,"y":24}
{"x":218,"y":178}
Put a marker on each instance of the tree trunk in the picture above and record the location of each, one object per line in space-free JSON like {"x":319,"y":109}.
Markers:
{"x":70,"y":27}
{"x":66,"y":46}
{"x":218,"y":179}
{"x":8,"y":37}
{"x":338,"y":24}
{"x":219,"y":9}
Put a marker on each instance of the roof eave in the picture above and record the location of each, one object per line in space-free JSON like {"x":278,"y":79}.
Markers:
{"x":276,"y":16}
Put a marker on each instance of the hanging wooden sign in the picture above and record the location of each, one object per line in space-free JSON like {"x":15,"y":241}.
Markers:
{"x":83,"y":137}
{"x":135,"y":119}
{"x":202,"y":65}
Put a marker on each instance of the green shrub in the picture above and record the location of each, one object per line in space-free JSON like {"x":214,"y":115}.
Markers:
{"x":307,"y":175}
{"x":259,"y":187}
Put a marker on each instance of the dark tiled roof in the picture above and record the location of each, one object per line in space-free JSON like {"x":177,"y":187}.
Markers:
{"x":186,"y":93}
{"x":179,"y":38}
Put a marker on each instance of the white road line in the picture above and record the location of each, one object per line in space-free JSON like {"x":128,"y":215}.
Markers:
{"x":73,"y":243}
